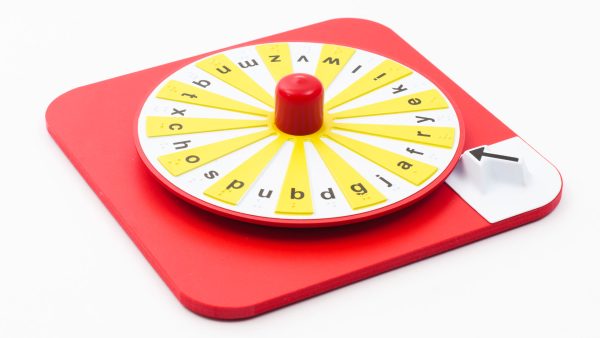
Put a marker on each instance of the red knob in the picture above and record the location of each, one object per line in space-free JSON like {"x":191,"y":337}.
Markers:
{"x":299,"y":104}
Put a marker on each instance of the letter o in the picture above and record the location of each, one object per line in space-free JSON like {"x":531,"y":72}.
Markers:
{"x":192,"y":159}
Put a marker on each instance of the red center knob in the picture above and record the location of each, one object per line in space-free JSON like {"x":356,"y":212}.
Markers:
{"x":299,"y":104}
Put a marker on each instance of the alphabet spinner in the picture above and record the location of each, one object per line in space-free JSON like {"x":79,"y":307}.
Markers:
{"x":332,"y":124}
{"x":347,"y":135}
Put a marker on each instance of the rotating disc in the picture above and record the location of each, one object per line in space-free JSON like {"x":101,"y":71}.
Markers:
{"x":213,"y":134}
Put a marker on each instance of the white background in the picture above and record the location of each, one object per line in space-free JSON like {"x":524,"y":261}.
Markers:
{"x":68,"y":270}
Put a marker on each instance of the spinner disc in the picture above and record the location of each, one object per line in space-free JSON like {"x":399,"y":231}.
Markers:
{"x":299,"y":134}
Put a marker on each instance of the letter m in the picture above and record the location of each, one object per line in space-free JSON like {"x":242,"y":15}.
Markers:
{"x":247,"y":63}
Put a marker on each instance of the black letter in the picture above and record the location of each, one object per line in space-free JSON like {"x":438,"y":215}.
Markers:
{"x":235,"y":184}
{"x":225,"y":70}
{"x":379,"y":76}
{"x":423,"y":119}
{"x":358,"y":188}
{"x":328,"y":194}
{"x":414,"y":101}
{"x":181,"y":144}
{"x":331,"y":61}
{"x":192,"y":96}
{"x":178,"y":112}
{"x":211,"y":174}
{"x":268,"y":195}
{"x":404,"y":165}
{"x":248,"y":64}
{"x":399,"y":89}
{"x":413,"y":151}
{"x":297,"y":192}
{"x":175,"y":126}
{"x":384,"y":180}
{"x":302,"y":57}
{"x":202,"y":83}
{"x":192,"y":159}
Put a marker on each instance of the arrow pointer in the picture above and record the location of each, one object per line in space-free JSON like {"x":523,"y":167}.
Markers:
{"x":479,"y":153}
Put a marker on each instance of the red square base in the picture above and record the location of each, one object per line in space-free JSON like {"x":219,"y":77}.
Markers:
{"x":227,"y":269}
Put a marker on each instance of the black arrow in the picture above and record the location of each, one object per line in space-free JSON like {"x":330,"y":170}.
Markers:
{"x":479,"y":153}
